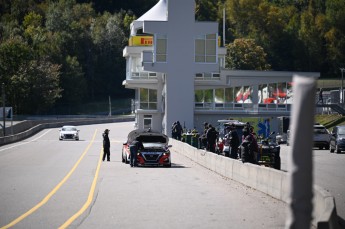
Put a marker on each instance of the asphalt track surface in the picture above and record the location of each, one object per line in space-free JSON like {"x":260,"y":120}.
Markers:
{"x":329,"y":173}
{"x":47,"y":183}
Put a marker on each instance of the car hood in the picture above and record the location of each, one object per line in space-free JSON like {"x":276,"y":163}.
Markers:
{"x":144,"y":136}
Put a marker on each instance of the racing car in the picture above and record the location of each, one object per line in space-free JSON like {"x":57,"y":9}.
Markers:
{"x":155,"y":152}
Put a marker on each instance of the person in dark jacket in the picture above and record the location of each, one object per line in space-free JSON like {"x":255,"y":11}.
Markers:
{"x":177,"y":130}
{"x":234,"y":142}
{"x":211,"y":136}
{"x":106,"y":145}
{"x":248,"y":147}
{"x":134,"y":147}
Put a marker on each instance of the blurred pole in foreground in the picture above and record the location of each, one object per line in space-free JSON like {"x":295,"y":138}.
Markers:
{"x":300,"y":161}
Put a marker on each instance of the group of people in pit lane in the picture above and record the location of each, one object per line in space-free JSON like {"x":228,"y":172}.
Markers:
{"x":246,"y":149}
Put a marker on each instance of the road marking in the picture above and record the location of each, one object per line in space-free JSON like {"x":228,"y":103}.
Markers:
{"x":90,"y":197}
{"x":46,"y":199}
{"x":33,"y":140}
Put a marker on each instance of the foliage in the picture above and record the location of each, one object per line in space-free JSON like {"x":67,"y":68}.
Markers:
{"x":244,"y":54}
{"x":79,"y":43}
{"x":78,"y":50}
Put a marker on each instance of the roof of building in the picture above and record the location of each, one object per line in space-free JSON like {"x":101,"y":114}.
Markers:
{"x":157,"y":13}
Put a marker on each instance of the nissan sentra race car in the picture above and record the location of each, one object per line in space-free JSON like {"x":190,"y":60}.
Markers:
{"x":155,"y":152}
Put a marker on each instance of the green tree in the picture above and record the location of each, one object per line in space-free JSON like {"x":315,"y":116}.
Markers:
{"x":245,"y":54}
{"x":27,"y":79}
{"x":335,"y":34}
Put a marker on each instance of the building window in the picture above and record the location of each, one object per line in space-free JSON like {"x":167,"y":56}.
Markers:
{"x":278,"y":93}
{"x":203,"y":98}
{"x":229,"y":95}
{"x":206,"y":48}
{"x":147,"y":121}
{"x":161,"y":48}
{"x":219,"y":95}
{"x":148,"y":99}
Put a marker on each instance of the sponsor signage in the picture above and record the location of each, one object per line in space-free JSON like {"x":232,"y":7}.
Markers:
{"x":140,"y":41}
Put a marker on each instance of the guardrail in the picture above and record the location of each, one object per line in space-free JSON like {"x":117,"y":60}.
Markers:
{"x":270,"y":181}
{"x":26,"y":129}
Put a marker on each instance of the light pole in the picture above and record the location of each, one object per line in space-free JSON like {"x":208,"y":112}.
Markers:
{"x":3,"y":107}
{"x":342,"y":84}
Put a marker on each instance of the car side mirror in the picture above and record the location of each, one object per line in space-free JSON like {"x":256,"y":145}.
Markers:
{"x":169,"y":146}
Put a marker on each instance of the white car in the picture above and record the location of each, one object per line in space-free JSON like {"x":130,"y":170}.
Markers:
{"x":321,"y":137}
{"x":69,"y":132}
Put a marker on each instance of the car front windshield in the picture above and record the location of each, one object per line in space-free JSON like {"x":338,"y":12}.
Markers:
{"x":320,"y":130}
{"x":69,"y":129}
{"x":341,"y":131}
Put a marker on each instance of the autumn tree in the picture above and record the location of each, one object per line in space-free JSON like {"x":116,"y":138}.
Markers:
{"x":245,"y":54}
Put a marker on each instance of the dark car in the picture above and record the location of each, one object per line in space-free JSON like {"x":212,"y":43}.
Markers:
{"x":337,"y":142}
{"x":155,"y":152}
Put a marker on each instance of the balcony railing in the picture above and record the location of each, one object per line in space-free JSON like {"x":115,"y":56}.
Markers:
{"x":144,"y":105}
{"x":141,"y":75}
{"x":250,"y":107}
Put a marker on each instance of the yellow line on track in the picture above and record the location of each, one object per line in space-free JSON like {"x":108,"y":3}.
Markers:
{"x":90,"y":197}
{"x":46,"y":199}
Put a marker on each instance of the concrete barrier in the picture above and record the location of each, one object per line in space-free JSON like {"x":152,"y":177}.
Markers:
{"x":29,"y":128}
{"x":267,"y":180}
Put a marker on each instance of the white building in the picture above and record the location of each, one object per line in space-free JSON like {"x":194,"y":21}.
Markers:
{"x":176,"y":67}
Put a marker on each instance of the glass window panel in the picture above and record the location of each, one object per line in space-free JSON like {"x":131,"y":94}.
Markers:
{"x":144,"y":96}
{"x":161,"y":58}
{"x":199,"y":47}
{"x":211,"y":59}
{"x":144,"y":106}
{"x":247,"y":94}
{"x":219,"y":95}
{"x":262,"y":93}
{"x":208,"y":96}
{"x":238,"y":94}
{"x":153,"y":106}
{"x":147,"y":123}
{"x":289,"y":93}
{"x":152,"y":95}
{"x":199,"y":58}
{"x":273,"y":93}
{"x":281,"y":93}
{"x":199,"y":96}
{"x":210,"y":47}
{"x":229,"y":95}
{"x":161,"y":46}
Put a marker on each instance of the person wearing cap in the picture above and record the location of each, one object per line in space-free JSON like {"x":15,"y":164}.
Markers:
{"x":106,"y":145}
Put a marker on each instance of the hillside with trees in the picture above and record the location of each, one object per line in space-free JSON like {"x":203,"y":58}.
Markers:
{"x":66,"y":53}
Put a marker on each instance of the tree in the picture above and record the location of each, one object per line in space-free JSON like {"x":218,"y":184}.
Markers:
{"x":335,"y":16}
{"x":244,"y":54}
{"x":27,"y":79}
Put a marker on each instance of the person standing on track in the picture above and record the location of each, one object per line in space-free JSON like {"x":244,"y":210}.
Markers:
{"x":134,"y":147}
{"x":106,"y":145}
